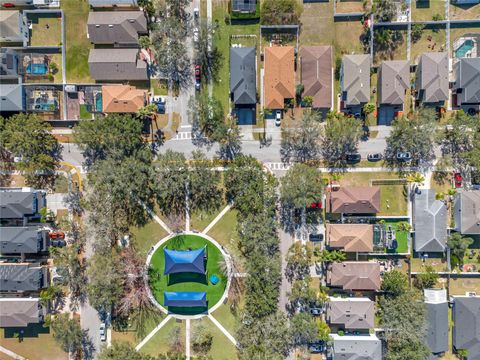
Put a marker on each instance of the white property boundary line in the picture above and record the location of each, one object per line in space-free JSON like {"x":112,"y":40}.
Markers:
{"x":152,"y":333}
{"x":154,"y":248}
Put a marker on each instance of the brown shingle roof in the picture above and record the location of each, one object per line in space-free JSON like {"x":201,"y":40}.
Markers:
{"x":122,"y":99}
{"x":354,"y":200}
{"x":351,"y":313}
{"x":351,"y":237}
{"x":317,"y":74}
{"x":279,"y":78}
{"x":354,"y":275}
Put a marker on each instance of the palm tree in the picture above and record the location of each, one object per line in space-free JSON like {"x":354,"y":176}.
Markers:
{"x":415,"y":178}
{"x":404,"y":226}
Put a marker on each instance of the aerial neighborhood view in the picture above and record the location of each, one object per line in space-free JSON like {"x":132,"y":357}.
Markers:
{"x":240,"y":179}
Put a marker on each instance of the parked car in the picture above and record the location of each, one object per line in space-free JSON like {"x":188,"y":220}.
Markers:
{"x":103,"y":333}
{"x":196,"y":13}
{"x":404,"y":156}
{"x":196,"y":34}
{"x":278,"y":117}
{"x":374,"y":157}
{"x":58,"y":243}
{"x":458,"y":180}
{"x":315,"y":237}
{"x":316,"y":311}
{"x":198,"y":73}
{"x":354,"y":158}
{"x":317,"y":347}
{"x":57,"y":235}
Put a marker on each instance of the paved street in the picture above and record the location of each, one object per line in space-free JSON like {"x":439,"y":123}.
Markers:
{"x":286,"y":240}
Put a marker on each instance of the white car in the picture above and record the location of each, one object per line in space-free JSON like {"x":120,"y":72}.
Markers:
{"x":278,"y":117}
{"x":103,"y":332}
{"x":196,"y":34}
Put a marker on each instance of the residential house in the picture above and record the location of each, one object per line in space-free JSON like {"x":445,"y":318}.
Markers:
{"x":123,"y":99}
{"x":355,"y":83}
{"x":350,"y":237}
{"x":353,"y":347}
{"x":431,"y":79}
{"x":465,"y":2}
{"x":22,"y":277}
{"x":244,"y":6}
{"x":20,"y":312}
{"x":11,"y":98}
{"x":8,"y":64}
{"x":429,"y":222}
{"x":466,"y":325}
{"x":23,"y":240}
{"x":467,"y":212}
{"x":112,"y":3}
{"x":243,"y":83}
{"x":317,"y":75}
{"x":17,"y":2}
{"x":437,"y":319}
{"x":354,"y":200}
{"x":351,"y":313}
{"x":393,"y":83}
{"x":279,"y":77}
{"x":21,"y":203}
{"x":354,"y":275}
{"x":118,"y":28}
{"x":117,"y":65}
{"x":13,"y":27}
{"x":466,"y":87}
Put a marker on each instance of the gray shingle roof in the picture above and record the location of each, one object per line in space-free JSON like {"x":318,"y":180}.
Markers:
{"x":8,"y":63}
{"x":356,"y":79}
{"x":431,"y":80}
{"x":244,"y":5}
{"x":437,"y":333}
{"x":467,"y":212}
{"x":243,"y":82}
{"x":11,"y":97}
{"x":466,"y":329}
{"x":10,"y":24}
{"x":108,"y":3}
{"x":18,"y":312}
{"x":393,"y":81}
{"x":17,"y":204}
{"x":356,"y":347}
{"x":117,"y":64}
{"x":20,"y":239}
{"x":467,"y":78}
{"x":351,"y":313}
{"x":121,"y":27}
{"x":430,"y":222}
{"x":22,"y":277}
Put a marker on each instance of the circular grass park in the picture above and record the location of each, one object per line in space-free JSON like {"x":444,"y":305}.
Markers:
{"x":201,"y":273}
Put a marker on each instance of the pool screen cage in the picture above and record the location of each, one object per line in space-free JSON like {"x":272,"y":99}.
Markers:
{"x":92,"y":98}
{"x":41,"y":98}
{"x":34,"y":64}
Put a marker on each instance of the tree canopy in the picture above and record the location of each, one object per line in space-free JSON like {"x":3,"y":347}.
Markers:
{"x":395,"y":283}
{"x":427,"y":279}
{"x":303,"y":329}
{"x":28,"y":137}
{"x":301,"y":186}
{"x":458,"y":245}
{"x":67,"y":333}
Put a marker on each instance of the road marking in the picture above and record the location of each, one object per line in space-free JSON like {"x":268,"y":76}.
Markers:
{"x":153,"y":332}
{"x":183,"y":135}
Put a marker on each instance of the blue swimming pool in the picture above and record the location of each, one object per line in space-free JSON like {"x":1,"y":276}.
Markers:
{"x":464,"y":48}
{"x":37,"y":69}
{"x":98,"y":102}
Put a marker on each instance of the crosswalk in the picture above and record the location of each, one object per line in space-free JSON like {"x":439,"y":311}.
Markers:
{"x":183,"y":135}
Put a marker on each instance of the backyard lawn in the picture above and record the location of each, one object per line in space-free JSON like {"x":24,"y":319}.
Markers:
{"x":317,"y":24}
{"x":429,"y":42}
{"x":401,"y":237}
{"x":425,"y":10}
{"x":459,"y":286}
{"x":350,"y":6}
{"x":77,"y":43}
{"x":188,"y":281}
{"x":348,"y":38}
{"x":46,"y":30}
{"x":458,"y":32}
{"x":38,"y":343}
{"x":439,"y":264}
{"x":399,"y":52}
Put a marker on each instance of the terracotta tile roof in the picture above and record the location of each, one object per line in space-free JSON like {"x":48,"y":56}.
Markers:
{"x":122,"y":99}
{"x":355,"y":275}
{"x":279,"y":78}
{"x":350,"y":237}
{"x":354,"y":200}
{"x":317,"y":75}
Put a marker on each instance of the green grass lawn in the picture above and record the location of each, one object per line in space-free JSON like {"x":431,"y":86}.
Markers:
{"x":222,"y":348}
{"x":397,"y":53}
{"x":225,"y":317}
{"x":46,"y":30}
{"x":147,"y":236}
{"x":188,"y":281}
{"x":84,"y":113}
{"x":347,"y":38}
{"x":425,"y":10}
{"x":37,"y":343}
{"x":429,"y":42}
{"x":401,"y":236}
{"x":77,"y":44}
{"x":318,"y":27}
{"x":199,"y":220}
{"x":160,"y":342}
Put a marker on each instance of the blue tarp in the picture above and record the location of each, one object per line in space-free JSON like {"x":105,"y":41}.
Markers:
{"x":177,"y":261}
{"x":185,"y":299}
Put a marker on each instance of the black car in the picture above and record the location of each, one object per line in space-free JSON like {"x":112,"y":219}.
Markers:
{"x":404,"y":156}
{"x":58,"y":243}
{"x":374,"y":157}
{"x":317,"y":347}
{"x":316,"y":237}
{"x":354,"y":158}
{"x":316,"y":311}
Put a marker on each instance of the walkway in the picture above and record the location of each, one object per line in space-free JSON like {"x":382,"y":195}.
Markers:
{"x":157,"y":219}
{"x":187,"y":339}
{"x":217,"y":218}
{"x":223,"y":330}
{"x":153,"y":332}
{"x":11,"y":354}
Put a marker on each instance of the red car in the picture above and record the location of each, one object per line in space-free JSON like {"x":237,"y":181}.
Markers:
{"x":197,"y":72}
{"x":8,"y":5}
{"x":458,"y":180}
